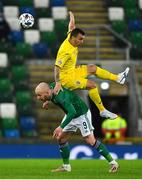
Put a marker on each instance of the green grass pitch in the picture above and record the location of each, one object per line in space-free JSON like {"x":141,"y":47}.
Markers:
{"x":81,"y":169}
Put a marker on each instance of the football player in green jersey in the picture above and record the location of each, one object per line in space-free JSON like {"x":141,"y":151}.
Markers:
{"x":77,"y":116}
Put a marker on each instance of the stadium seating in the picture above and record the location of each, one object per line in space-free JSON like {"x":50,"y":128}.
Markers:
{"x":31,"y":36}
{"x":25,"y":3}
{"x":114,"y":3}
{"x":41,"y":3}
{"x":130,"y":3}
{"x":16,"y":37}
{"x":132,"y":13}
{"x":4,"y":72}
{"x":13,"y":23}
{"x":135,"y":25}
{"x":10,"y":3}
{"x":19,"y":72}
{"x":11,"y":11}
{"x":5,"y":90}
{"x":25,"y":110}
{"x":126,"y":19}
{"x":46,"y":24}
{"x":27,"y":123}
{"x":12,"y":133}
{"x":140,"y":4}
{"x":43,"y":12}
{"x":6,"y":47}
{"x":24,"y":103}
{"x":3,"y":65}
{"x":49,"y":37}
{"x":58,"y":3}
{"x":59,"y":13}
{"x":23,"y":97}
{"x":136,"y":38}
{"x":0,"y":133}
{"x":41,"y":41}
{"x":116,"y":13}
{"x":61,"y":27}
{"x":16,"y":59}
{"x":27,"y":9}
{"x":9,"y":123}
{"x":3,"y":60}
{"x":40,"y":50}
{"x":119,"y":26}
{"x":47,"y":14}
{"x":20,"y":77}
{"x":8,"y":107}
{"x":23,"y":49}
{"x":28,"y":126}
{"x":5,"y":85}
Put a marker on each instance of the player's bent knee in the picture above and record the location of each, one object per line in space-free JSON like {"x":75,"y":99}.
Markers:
{"x":91,"y":84}
{"x":91,"y":69}
{"x":62,"y":139}
{"x":90,"y":139}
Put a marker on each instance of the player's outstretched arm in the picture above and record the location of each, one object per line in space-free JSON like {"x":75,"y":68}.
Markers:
{"x":58,"y":86}
{"x":72,"y":21}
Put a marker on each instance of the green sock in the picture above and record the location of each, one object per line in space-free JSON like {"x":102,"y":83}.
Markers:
{"x":101,"y":148}
{"x":65,"y":152}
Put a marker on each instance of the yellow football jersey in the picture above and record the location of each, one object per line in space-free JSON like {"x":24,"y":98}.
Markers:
{"x":66,"y":56}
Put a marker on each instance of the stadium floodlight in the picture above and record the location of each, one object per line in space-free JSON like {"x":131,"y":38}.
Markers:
{"x":104,"y":85}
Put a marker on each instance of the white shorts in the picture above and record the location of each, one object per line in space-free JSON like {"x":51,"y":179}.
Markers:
{"x":83,"y":122}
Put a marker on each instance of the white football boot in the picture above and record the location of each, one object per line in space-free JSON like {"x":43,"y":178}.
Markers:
{"x":122,"y":76}
{"x":114,"y":166}
{"x":63,"y":168}
{"x":107,"y":114}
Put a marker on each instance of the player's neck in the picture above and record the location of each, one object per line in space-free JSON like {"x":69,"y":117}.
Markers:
{"x":72,"y":43}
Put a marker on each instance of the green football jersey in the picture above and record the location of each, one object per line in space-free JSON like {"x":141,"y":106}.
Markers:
{"x":70,"y":103}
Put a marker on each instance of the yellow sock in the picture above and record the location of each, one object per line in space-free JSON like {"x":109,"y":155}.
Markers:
{"x":95,"y":97}
{"x":104,"y":74}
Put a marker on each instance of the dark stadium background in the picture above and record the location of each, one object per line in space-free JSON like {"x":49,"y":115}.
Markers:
{"x":27,"y":56}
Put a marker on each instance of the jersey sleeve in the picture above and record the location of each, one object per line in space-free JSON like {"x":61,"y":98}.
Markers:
{"x":71,"y":113}
{"x":67,"y":106}
{"x":61,"y":59}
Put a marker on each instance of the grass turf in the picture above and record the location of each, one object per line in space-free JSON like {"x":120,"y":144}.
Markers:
{"x":81,"y":169}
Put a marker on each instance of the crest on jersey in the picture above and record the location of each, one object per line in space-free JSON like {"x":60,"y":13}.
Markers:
{"x":59,"y":62}
{"x":78,"y":82}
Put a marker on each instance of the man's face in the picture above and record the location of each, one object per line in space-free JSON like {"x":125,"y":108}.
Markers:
{"x":43,"y":95}
{"x":78,"y":40}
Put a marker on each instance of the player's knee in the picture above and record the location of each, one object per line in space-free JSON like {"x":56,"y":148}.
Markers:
{"x":91,"y":84}
{"x":92,"y":69}
{"x":90,"y":140}
{"x":61,"y":140}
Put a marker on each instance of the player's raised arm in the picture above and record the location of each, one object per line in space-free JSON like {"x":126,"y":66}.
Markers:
{"x":58,"y":86}
{"x":72,"y":22}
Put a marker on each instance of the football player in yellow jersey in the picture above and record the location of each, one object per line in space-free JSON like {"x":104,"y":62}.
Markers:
{"x":68,"y":75}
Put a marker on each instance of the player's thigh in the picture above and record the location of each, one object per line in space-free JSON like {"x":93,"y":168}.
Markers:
{"x":90,"y":139}
{"x":76,"y":79}
{"x":75,"y":83}
{"x":84,"y":123}
{"x":81,"y":71}
{"x":64,"y":137}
